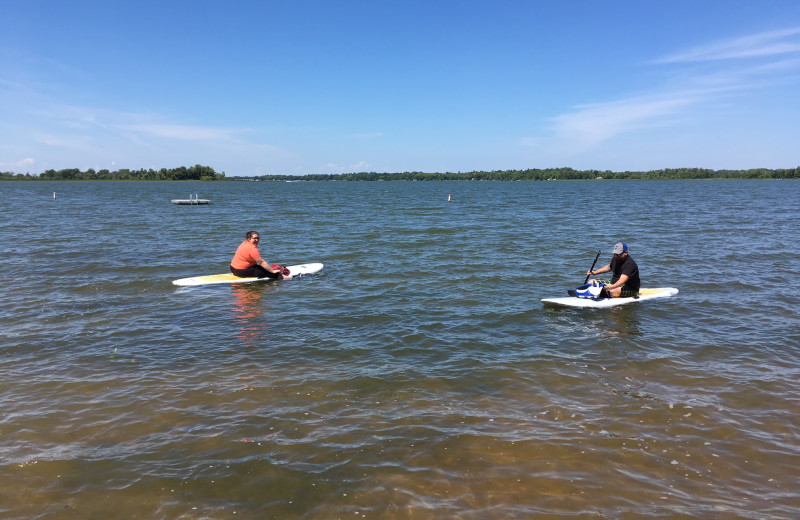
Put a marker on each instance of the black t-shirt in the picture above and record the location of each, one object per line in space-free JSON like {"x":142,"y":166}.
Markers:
{"x":629,"y":267}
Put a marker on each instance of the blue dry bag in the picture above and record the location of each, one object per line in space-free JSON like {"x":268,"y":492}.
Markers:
{"x":589,"y":290}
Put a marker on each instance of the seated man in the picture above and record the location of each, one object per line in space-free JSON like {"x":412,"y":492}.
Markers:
{"x":625,"y":280}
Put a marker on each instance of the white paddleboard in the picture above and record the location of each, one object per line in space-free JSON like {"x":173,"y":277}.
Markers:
{"x":644,"y":294}
{"x":294,"y":270}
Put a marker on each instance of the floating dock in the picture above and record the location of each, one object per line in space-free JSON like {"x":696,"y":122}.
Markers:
{"x":191,"y":201}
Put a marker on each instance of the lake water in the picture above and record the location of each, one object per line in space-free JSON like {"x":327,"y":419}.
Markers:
{"x":418,"y":375}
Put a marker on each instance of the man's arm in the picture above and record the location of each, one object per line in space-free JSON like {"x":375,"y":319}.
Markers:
{"x":619,"y":283}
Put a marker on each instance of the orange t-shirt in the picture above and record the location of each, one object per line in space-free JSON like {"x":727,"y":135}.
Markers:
{"x":246,"y":255}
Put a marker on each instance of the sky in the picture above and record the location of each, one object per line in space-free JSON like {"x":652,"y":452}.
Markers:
{"x":296,"y":87}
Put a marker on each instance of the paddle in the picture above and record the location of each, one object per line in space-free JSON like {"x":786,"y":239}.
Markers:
{"x":591,"y":268}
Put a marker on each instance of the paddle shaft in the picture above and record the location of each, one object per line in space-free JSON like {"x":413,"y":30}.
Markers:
{"x":591,"y":268}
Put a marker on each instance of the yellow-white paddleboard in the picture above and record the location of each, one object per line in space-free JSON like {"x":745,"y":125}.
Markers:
{"x":644,"y":294}
{"x":294,"y":270}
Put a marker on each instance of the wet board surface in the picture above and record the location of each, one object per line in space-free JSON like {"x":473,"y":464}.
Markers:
{"x":294,"y":270}
{"x":644,"y":295}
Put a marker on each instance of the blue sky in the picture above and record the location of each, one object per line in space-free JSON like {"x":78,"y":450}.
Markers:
{"x":320,"y":86}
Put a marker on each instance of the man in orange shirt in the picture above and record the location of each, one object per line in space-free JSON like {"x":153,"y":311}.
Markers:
{"x":247,"y":262}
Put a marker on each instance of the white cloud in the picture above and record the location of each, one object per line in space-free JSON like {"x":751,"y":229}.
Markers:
{"x":592,"y":124}
{"x":769,"y":43}
{"x":183,"y":132}
{"x":332,"y":167}
{"x":24,"y":163}
{"x":360,"y":166}
{"x":78,"y":123}
{"x":684,"y":97}
{"x":68,"y":141}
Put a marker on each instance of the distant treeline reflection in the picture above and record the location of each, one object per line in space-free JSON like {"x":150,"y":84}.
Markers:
{"x":206,"y":173}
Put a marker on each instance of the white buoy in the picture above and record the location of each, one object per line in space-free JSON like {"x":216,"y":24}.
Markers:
{"x":449,"y":197}
{"x":54,"y":195}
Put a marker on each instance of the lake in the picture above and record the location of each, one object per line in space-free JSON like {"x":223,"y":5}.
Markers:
{"x":418,"y":375}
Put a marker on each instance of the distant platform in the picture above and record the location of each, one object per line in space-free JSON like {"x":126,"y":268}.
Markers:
{"x":190,"y":201}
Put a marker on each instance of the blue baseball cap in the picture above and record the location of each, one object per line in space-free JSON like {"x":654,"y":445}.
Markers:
{"x":620,"y":247}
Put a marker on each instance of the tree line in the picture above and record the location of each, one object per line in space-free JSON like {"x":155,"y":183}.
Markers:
{"x":206,"y":173}
{"x":182,"y":173}
{"x":544,"y":175}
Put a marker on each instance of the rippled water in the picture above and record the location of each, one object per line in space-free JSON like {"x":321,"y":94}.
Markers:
{"x":418,"y":375}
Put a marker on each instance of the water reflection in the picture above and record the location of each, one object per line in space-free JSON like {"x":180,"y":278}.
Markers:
{"x":622,"y":321}
{"x":248,"y":312}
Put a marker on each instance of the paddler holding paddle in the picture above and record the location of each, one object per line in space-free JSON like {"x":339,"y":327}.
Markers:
{"x":248,"y":263}
{"x":625,"y":280}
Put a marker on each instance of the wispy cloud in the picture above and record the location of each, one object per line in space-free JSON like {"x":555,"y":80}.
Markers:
{"x":183,"y":132}
{"x":589,"y":125}
{"x":360,"y":166}
{"x":768,"y":43}
{"x":365,"y":136}
{"x":45,"y":132}
{"x":332,"y":167}
{"x":592,"y":124}
{"x":66,"y":140}
{"x":78,"y":122}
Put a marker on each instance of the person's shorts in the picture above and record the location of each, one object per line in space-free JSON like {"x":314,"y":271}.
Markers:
{"x":627,"y":291}
{"x":254,"y":272}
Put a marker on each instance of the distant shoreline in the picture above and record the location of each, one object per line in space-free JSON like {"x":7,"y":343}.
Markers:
{"x":206,"y":173}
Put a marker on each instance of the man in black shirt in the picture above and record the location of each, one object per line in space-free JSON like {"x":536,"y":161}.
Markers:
{"x":625,"y":281}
